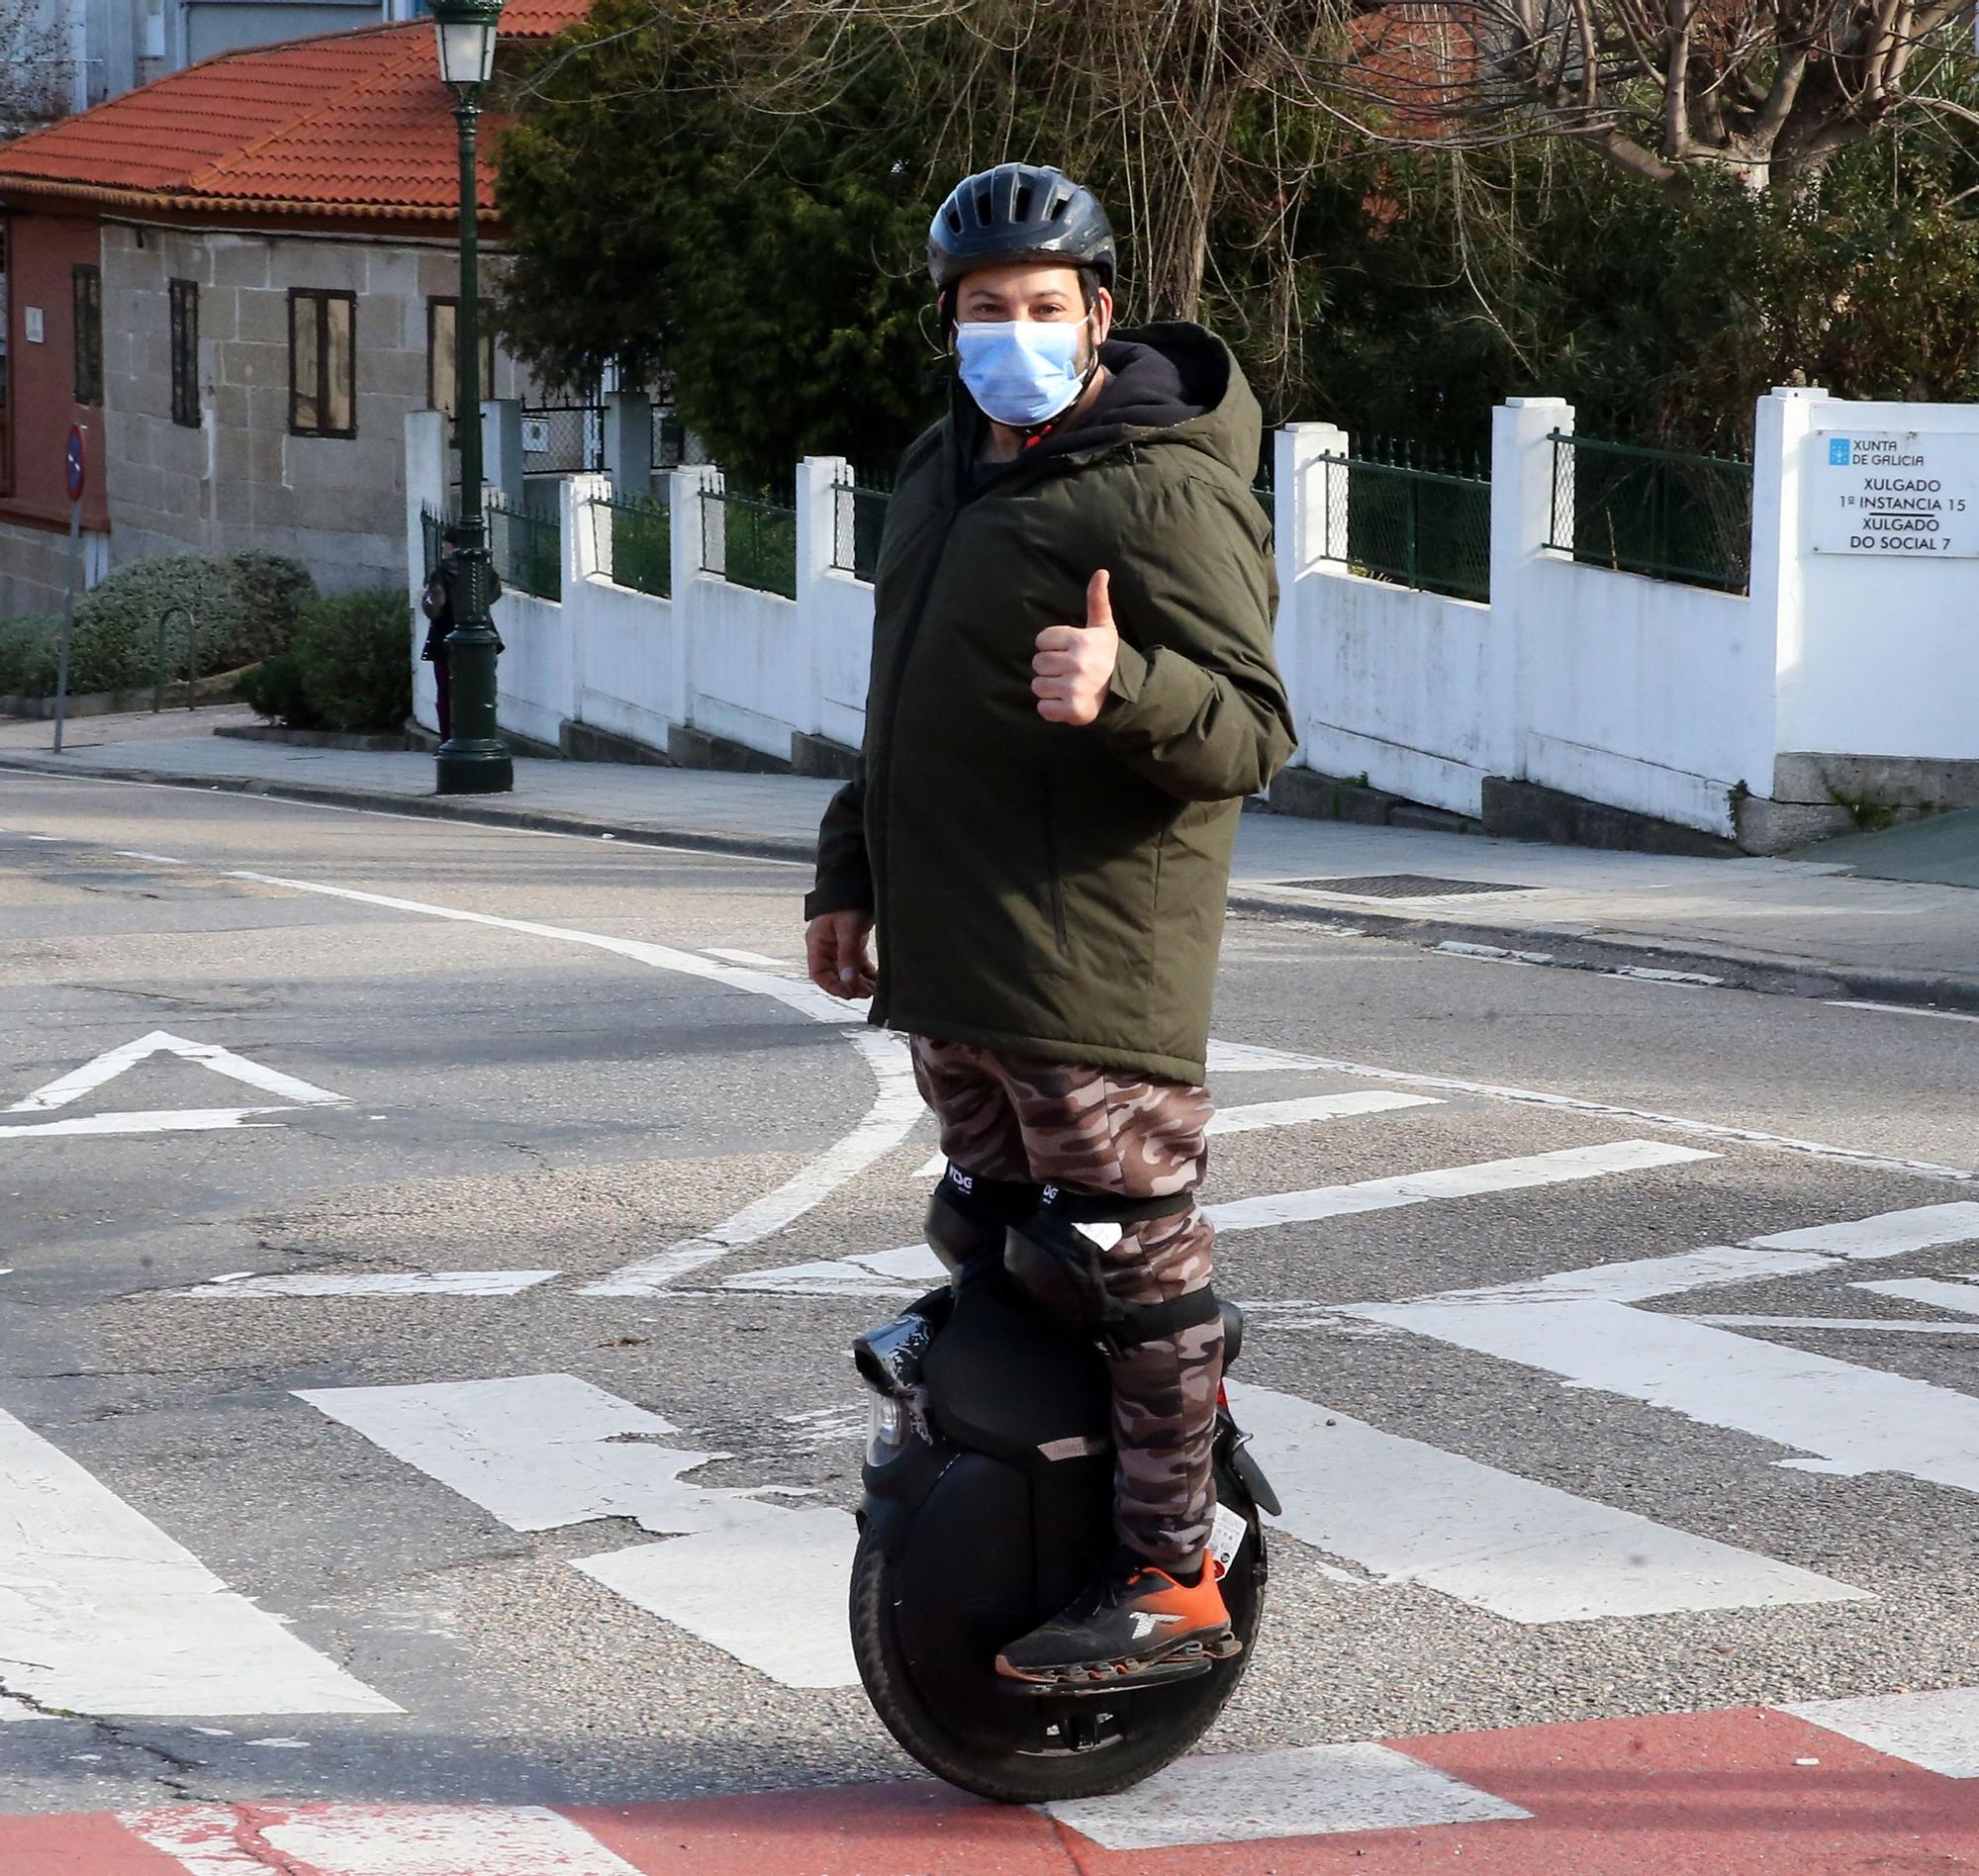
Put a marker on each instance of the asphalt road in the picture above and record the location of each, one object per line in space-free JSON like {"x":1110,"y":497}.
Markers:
{"x":1596,"y":1505}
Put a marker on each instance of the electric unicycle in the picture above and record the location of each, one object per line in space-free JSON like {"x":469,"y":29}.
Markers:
{"x":989,"y":1482}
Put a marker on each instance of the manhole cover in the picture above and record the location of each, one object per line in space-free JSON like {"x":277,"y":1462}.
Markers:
{"x":1405,"y":885}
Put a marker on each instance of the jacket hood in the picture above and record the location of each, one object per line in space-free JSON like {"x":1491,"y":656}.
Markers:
{"x":1172,"y":383}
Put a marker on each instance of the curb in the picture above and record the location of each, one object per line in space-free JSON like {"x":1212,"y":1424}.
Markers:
{"x":1562,"y":949}
{"x":1575,"y":951}
{"x":441,"y":808}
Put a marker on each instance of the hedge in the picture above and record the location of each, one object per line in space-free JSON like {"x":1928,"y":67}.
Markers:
{"x":348,"y":665}
{"x":239,"y":609}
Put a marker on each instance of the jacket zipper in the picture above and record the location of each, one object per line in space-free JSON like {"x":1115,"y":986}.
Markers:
{"x":882,"y":778}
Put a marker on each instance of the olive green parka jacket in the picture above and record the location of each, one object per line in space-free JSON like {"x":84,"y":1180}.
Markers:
{"x":1039,"y":888}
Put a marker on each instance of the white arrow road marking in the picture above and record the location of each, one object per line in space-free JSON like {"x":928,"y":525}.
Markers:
{"x":156,"y":1120}
{"x":374,"y":1841}
{"x":763,"y":1582}
{"x":1412,"y":1513}
{"x":102,"y":1612}
{"x":115,"y":1062}
{"x":1578,"y":1325}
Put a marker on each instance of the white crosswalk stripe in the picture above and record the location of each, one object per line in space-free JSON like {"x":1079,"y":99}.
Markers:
{"x":914,"y":1266}
{"x":1412,"y":1513}
{"x":764,"y":1582}
{"x":102,"y":1612}
{"x":763,"y":1579}
{"x":1849,"y":1418}
{"x":376,"y":1841}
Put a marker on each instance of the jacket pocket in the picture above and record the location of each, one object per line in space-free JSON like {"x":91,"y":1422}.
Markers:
{"x":1054,"y":878}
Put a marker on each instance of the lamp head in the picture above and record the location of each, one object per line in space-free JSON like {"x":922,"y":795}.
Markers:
{"x":465,"y":30}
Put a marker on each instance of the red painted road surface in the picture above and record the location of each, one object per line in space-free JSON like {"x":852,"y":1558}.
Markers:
{"x":1721,"y":1794}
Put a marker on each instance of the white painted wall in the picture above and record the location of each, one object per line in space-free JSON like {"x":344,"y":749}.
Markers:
{"x":1387,"y":682}
{"x":1642,"y":693}
{"x":622,"y":655}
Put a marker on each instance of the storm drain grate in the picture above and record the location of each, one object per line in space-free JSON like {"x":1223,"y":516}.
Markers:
{"x":1405,"y":885}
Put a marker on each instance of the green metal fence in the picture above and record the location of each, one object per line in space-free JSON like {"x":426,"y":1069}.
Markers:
{"x":634,"y":539}
{"x":759,"y":542}
{"x":526,"y":549}
{"x":432,"y":525}
{"x":1398,"y":512}
{"x":1663,"y":513}
{"x":859,"y":519}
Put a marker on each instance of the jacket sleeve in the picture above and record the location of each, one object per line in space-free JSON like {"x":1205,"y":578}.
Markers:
{"x":1196,"y":704}
{"x":844,"y":873}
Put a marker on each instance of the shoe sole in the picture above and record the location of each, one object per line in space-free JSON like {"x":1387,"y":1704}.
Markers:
{"x":1184,"y":1660}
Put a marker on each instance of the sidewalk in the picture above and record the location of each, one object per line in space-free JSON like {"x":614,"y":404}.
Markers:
{"x":1785,"y":925}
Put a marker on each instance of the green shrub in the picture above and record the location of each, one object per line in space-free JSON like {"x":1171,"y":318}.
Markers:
{"x":218,"y":615}
{"x":273,"y":591}
{"x":117,"y":625}
{"x":354,"y":654}
{"x":29,"y":648}
{"x":275,"y":688}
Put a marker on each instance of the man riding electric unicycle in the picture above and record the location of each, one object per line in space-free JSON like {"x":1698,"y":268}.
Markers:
{"x":1073,"y":688}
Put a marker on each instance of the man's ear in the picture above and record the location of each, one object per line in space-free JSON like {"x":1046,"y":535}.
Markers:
{"x":1102,"y":315}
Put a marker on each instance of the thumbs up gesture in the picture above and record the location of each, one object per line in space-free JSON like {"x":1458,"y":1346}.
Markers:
{"x":1075,"y":664}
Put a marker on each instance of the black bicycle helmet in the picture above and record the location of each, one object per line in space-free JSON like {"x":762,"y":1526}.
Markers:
{"x":1018,"y":212}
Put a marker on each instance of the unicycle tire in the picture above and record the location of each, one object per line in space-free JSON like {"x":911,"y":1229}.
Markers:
{"x":1172,"y":1719}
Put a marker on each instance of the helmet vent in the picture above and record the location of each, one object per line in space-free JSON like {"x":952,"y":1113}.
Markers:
{"x":1059,"y":206}
{"x":1020,"y":203}
{"x":984,"y":210}
{"x":954,"y":219}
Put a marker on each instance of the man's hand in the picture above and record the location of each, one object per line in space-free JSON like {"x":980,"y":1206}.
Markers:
{"x":1075,"y":664}
{"x":837,"y":955}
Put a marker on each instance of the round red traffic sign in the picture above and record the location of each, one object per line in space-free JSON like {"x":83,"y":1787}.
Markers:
{"x":75,"y":465}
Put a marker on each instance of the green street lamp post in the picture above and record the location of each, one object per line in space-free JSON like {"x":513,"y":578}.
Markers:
{"x":473,"y":760}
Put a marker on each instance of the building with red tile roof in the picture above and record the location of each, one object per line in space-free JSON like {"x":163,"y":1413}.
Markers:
{"x":240,"y":278}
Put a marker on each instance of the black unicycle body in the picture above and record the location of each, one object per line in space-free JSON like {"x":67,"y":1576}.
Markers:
{"x":989,"y":1497}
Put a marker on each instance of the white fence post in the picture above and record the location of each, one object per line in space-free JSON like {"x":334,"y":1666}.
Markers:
{"x":582,"y":552}
{"x":696,"y":536}
{"x":425,"y":488}
{"x":1522,"y":523}
{"x":502,"y":448}
{"x":628,"y":443}
{"x":1778,"y":584}
{"x":1306,"y":528}
{"x":818,"y":554}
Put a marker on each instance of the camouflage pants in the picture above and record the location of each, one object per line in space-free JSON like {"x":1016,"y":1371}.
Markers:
{"x":1095,"y":1130}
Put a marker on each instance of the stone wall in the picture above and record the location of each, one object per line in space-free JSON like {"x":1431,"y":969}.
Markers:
{"x":33,"y":567}
{"x":241,"y":479}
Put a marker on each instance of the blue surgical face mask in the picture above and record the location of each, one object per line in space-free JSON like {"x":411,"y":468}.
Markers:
{"x":1021,"y":372}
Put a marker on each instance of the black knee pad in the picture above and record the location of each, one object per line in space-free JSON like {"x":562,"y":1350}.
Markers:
{"x":1061,"y":1271}
{"x":967,"y":1215}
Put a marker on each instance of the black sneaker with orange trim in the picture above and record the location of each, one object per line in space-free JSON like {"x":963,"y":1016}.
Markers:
{"x":1137,"y":1623}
